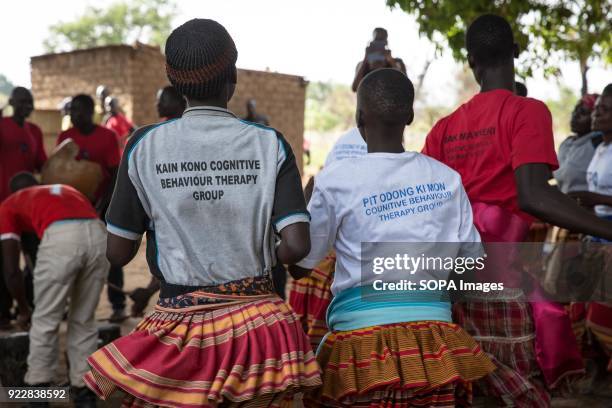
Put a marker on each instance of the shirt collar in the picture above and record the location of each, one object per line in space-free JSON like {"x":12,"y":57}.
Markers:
{"x":208,"y":111}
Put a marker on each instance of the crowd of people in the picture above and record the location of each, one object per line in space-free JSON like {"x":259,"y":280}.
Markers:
{"x":60,"y":232}
{"x":217,"y":237}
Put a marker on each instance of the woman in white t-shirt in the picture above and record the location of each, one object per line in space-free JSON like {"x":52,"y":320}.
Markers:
{"x":387,"y":348}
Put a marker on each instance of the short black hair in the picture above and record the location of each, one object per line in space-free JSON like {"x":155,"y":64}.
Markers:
{"x":388,"y":94}
{"x":171,"y":92}
{"x":22,"y":180}
{"x":20,"y":90}
{"x":607,"y":91}
{"x":489,"y":40}
{"x":521,"y":89}
{"x":85,"y":101}
{"x":382,"y":31}
{"x":200,"y":58}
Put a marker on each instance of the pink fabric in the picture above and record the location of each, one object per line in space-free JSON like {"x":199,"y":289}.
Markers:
{"x":557,"y":352}
{"x":588,"y":101}
{"x":497,"y":225}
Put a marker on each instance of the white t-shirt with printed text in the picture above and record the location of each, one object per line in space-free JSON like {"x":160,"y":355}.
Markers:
{"x":349,"y":145}
{"x":599,"y":176}
{"x":386,"y":197}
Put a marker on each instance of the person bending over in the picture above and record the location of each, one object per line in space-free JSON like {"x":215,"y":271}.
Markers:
{"x":71,"y":264}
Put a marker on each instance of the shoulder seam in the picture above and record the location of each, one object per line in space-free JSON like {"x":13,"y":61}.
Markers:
{"x":258,"y":125}
{"x":144,"y":131}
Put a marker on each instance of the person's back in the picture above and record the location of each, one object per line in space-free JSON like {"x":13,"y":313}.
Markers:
{"x":348,"y":145}
{"x":39,"y":206}
{"x":503,"y":147}
{"x":211,"y":192}
{"x":389,"y":205}
{"x":71,"y":264}
{"x":487,"y":138}
{"x":400,"y":197}
{"x":220,"y":175}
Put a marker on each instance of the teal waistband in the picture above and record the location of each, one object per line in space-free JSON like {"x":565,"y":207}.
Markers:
{"x":67,"y":220}
{"x":360,"y":307}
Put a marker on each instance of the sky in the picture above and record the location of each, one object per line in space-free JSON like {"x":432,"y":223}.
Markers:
{"x":321,"y":40}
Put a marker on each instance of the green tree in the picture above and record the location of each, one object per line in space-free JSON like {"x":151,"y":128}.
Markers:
{"x":548,"y":31}
{"x":561,"y":110}
{"x":147,"y":21}
{"x":329,"y":107}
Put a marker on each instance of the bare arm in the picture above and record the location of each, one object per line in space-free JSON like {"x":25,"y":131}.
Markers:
{"x":102,"y":204}
{"x":295,"y":243}
{"x":120,"y":251}
{"x":538,"y":198}
{"x":590,"y":199}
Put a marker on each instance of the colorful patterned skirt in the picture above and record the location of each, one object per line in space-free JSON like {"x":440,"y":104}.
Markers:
{"x":310,"y":297}
{"x":233,"y":345}
{"x":420,"y":364}
{"x":505,"y":331}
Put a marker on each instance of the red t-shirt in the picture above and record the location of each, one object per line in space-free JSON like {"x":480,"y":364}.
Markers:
{"x":33,"y":209}
{"x":100,"y":146}
{"x":487,"y":138}
{"x":122,"y":127}
{"x":21,"y":149}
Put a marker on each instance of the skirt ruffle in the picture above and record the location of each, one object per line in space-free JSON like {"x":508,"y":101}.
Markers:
{"x":232,"y":354}
{"x":310,"y":297}
{"x":405,"y":363}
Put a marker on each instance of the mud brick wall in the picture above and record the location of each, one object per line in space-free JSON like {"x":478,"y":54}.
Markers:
{"x":280,"y":97}
{"x":135,"y":73}
{"x":49,"y":122}
{"x":57,"y":76}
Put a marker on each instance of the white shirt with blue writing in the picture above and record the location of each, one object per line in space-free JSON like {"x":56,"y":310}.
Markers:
{"x":599,"y":176}
{"x":385,"y":197}
{"x":348,"y":146}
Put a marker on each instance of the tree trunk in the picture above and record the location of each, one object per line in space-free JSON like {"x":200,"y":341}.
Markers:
{"x":421,"y":77}
{"x":583,"y":72}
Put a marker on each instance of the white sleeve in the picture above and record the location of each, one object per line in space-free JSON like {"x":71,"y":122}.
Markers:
{"x":323,"y":228}
{"x":469,"y":237}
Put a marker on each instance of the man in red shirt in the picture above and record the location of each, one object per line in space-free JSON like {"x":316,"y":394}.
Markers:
{"x":502,"y":145}
{"x":99,"y":145}
{"x":71,"y":264}
{"x":96,"y":144}
{"x":21,"y":142}
{"x":21,"y":149}
{"x":117,"y":121}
